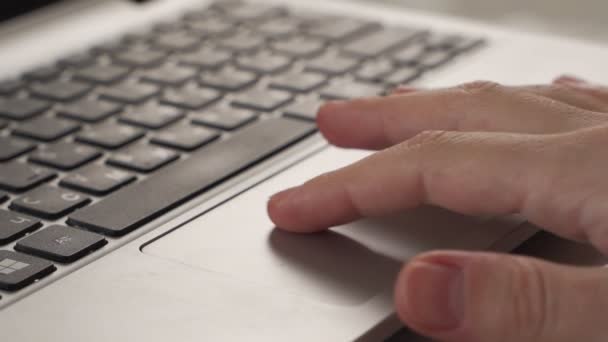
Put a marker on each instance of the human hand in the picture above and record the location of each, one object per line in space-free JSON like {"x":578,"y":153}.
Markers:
{"x":477,"y":149}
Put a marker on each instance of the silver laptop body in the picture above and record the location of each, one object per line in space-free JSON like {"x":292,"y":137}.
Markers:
{"x":214,"y":268}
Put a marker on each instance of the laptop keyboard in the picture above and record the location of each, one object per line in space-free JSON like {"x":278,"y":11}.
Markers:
{"x":98,"y":144}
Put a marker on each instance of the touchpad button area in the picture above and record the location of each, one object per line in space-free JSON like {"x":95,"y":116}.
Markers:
{"x":345,"y":266}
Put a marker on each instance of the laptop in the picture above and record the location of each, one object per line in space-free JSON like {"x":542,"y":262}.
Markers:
{"x":140,"y":141}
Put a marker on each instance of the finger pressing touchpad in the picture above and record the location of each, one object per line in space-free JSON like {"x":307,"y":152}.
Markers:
{"x":345,"y":266}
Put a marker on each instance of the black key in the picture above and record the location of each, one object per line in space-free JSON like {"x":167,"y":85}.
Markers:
{"x":262,"y":100}
{"x":140,"y":58}
{"x":43,"y":73}
{"x":303,"y":110}
{"x":403,"y":75}
{"x":342,"y":29}
{"x":299,"y":46}
{"x":177,"y":41}
{"x":380,"y":42}
{"x":18,"y":177}
{"x":97,"y":180}
{"x":169,"y":75}
{"x":46,"y":128}
{"x":190,"y":98}
{"x":298,"y":82}
{"x":242,"y":42}
{"x":130,"y":93}
{"x":151,"y":116}
{"x":3,"y":123}
{"x":410,"y":54}
{"x":21,"y":109}
{"x":434,"y":59}
{"x":185,"y":137}
{"x":224,"y":118}
{"x":332,"y":65}
{"x":206,"y":58}
{"x":228,"y":79}
{"x":374,"y":71}
{"x":263,"y":62}
{"x":110,"y":135}
{"x":19,"y":270}
{"x":60,"y":90}
{"x":8,"y":87}
{"x":102,"y":74}
{"x":89,"y":110}
{"x":143,"y":158}
{"x":14,"y":226}
{"x":48,"y":202}
{"x":61,"y":244}
{"x":77,"y":60}
{"x":348,"y":90}
{"x":184,"y":180}
{"x":3,"y":197}
{"x":65,"y":156}
{"x":12,"y":148}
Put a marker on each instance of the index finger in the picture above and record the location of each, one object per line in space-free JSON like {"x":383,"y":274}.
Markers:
{"x":470,"y":173}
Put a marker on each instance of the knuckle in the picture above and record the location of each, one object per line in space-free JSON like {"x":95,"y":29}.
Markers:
{"x":428,"y":138}
{"x":531,"y":302}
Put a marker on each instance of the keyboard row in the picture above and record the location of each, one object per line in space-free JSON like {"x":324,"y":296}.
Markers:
{"x":146,"y":200}
{"x":136,"y":127}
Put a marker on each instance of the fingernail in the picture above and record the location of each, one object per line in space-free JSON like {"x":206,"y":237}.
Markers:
{"x":433,"y":295}
{"x":281,"y":198}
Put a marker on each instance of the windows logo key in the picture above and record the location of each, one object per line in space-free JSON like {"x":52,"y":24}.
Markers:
{"x":8,"y":266}
{"x":18,"y":270}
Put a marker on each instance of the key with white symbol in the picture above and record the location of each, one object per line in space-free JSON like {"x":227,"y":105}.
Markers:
{"x":65,"y":156}
{"x":97,"y":180}
{"x":49,"y":202}
{"x":61,"y":243}
{"x":19,"y":270}
{"x":18,"y":177}
{"x":143,"y":158}
{"x":14,"y":225}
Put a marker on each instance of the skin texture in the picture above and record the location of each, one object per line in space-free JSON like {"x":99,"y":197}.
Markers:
{"x":478,"y":148}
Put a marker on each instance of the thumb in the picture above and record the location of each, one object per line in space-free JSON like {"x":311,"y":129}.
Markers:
{"x":475,"y":297}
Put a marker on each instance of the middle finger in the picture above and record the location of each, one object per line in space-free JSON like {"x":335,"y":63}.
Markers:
{"x":377,"y":123}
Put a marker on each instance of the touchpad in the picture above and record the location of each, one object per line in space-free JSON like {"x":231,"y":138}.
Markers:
{"x":345,"y":266}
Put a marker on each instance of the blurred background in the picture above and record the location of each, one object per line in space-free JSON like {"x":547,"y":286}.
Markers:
{"x":582,"y":19}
